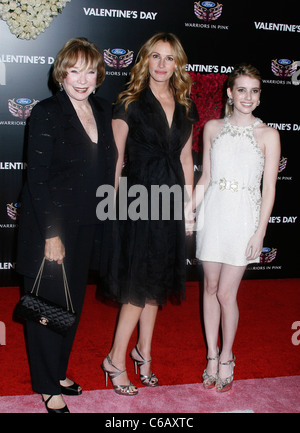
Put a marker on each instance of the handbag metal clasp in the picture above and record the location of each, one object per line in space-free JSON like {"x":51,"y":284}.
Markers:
{"x":44,"y":321}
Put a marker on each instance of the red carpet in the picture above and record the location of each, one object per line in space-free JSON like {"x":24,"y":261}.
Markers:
{"x":263,"y":346}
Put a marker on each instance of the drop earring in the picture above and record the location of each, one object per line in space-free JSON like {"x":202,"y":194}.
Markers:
{"x":230,"y":101}
{"x":61,"y":87}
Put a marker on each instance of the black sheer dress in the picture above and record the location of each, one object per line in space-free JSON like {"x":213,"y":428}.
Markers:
{"x":148,"y":254}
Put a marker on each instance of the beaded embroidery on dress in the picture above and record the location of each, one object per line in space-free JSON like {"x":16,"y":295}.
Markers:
{"x":231,"y":205}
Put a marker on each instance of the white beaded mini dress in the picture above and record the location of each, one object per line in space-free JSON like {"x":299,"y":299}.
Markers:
{"x":230,"y":211}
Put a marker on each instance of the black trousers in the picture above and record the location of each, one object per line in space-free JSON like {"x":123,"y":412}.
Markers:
{"x":48,"y":351}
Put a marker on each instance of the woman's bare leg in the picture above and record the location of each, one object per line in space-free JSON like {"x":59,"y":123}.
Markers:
{"x":230,"y":279}
{"x":146,"y":328}
{"x":211,"y":312}
{"x":128,"y":319}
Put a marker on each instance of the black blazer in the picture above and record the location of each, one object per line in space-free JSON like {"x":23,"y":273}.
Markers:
{"x":64,"y":170}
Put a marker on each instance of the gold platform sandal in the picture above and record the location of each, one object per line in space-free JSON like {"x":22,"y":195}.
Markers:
{"x":209,"y":380}
{"x":119,"y":389}
{"x":223,"y":385}
{"x":151,"y":380}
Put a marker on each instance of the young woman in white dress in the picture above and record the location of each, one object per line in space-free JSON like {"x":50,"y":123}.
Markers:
{"x":239,"y":151}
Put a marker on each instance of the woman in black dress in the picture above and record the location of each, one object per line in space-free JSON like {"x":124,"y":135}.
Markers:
{"x":71,"y":153}
{"x":152,"y":125}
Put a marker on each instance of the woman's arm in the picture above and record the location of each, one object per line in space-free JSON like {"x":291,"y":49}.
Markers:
{"x":210,"y":131}
{"x":40,"y":154}
{"x":208,"y":135}
{"x":187,"y":163}
{"x":120,"y":131}
{"x":271,"y":141}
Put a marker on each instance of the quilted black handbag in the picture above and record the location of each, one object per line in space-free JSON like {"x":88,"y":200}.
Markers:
{"x":33,"y":307}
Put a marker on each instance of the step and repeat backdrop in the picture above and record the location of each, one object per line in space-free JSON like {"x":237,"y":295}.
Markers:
{"x":215,"y":35}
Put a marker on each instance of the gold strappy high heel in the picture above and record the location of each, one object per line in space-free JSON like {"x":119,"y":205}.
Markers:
{"x":119,"y":389}
{"x":209,"y":380}
{"x":151,"y":380}
{"x":223,"y":385}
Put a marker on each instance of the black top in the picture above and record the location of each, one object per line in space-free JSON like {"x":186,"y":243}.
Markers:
{"x":148,"y":262}
{"x":64,"y":171}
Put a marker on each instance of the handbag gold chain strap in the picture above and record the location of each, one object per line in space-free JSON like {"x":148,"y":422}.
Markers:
{"x":66,"y":286}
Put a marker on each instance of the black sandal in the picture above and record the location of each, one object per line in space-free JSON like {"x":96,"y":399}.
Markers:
{"x":49,"y":410}
{"x":71,"y":389}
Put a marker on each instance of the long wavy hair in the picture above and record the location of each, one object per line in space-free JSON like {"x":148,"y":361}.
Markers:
{"x":180,"y":82}
{"x":240,"y":69}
